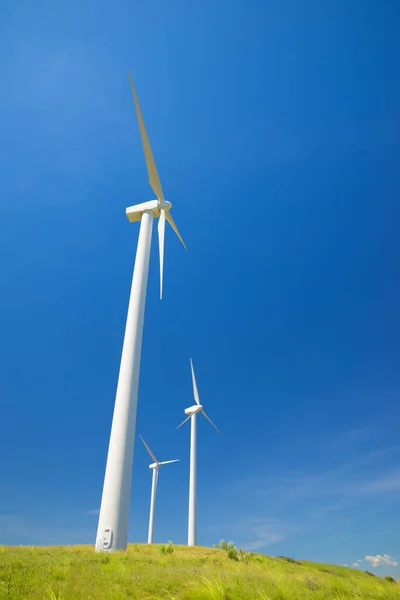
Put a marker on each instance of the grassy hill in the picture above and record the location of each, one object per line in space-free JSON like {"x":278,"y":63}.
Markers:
{"x":176,"y":573}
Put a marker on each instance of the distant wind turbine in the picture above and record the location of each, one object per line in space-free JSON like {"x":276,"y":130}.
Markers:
{"x":112,"y":531}
{"x":192,"y":412}
{"x":155,"y":466}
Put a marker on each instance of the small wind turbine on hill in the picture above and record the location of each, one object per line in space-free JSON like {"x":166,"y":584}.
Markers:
{"x":112,"y":531}
{"x":155,"y":466}
{"x":192,"y":412}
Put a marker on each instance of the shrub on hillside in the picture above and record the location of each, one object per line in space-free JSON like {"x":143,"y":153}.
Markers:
{"x":231,"y":551}
{"x":236,"y":554}
{"x":166,"y":548}
{"x":390,"y":578}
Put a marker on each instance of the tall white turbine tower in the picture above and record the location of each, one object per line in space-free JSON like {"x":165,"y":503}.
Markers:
{"x":112,"y":531}
{"x":155,"y":466}
{"x":192,"y":412}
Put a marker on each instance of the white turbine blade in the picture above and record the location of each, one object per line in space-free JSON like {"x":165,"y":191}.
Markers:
{"x":148,"y":450}
{"x":183,"y":422}
{"x":195,"y":390}
{"x":208,"y":419}
{"x":154,"y":180}
{"x":161,"y":234}
{"x":167,"y":462}
{"x":174,"y":227}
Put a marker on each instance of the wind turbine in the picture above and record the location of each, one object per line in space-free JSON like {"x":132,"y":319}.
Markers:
{"x":155,"y":466}
{"x":112,"y":531}
{"x":192,"y":412}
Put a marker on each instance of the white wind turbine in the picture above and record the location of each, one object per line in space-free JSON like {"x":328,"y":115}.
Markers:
{"x":155,"y":466}
{"x":112,"y":531}
{"x":192,"y":412}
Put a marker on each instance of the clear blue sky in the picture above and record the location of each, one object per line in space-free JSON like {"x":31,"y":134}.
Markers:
{"x":275,"y":128}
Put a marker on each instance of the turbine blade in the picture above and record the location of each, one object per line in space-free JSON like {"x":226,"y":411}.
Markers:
{"x":154,"y":180}
{"x":148,"y":449}
{"x":161,"y":234}
{"x":195,"y":390}
{"x":174,"y":227}
{"x":208,"y":419}
{"x":183,"y":422}
{"x":167,"y":462}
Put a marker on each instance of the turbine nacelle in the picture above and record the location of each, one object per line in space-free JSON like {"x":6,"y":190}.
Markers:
{"x":134,"y":213}
{"x":193,"y":409}
{"x":155,"y":465}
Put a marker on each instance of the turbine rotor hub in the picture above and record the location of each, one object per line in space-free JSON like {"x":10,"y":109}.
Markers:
{"x":164,"y":204}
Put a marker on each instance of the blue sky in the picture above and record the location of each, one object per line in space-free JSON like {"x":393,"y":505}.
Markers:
{"x":275,"y":128}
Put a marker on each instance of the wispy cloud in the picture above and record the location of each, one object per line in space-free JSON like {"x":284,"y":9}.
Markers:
{"x":362,"y":477}
{"x":378,"y":560}
{"x":93,"y":511}
{"x":313,"y":502}
{"x":254,"y":533}
{"x":262,"y":537}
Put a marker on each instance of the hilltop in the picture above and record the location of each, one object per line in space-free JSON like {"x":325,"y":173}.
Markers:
{"x":176,"y":573}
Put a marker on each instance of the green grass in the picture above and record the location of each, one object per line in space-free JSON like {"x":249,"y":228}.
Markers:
{"x":152,"y":572}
